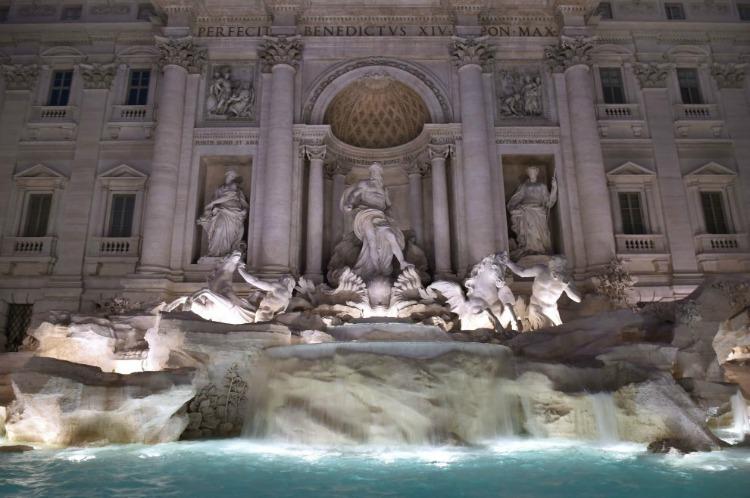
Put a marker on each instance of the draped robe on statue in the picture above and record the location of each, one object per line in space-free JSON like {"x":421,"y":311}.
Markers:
{"x":529,"y":214}
{"x":224,"y":220}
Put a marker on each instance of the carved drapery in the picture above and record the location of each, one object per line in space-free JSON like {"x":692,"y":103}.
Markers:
{"x":569,"y":52}
{"x":181,"y":52}
{"x":280,"y":50}
{"x":652,"y":74}
{"x":97,"y":76}
{"x":20,"y":76}
{"x":729,"y":75}
{"x":466,"y":51}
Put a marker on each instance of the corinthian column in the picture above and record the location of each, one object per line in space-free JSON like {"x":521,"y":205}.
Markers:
{"x":337,"y":172}
{"x":315,"y":208}
{"x":281,"y":56}
{"x":440,"y":217}
{"x":415,"y":170}
{"x":470,"y":55}
{"x":178,"y":57}
{"x":571,"y":58}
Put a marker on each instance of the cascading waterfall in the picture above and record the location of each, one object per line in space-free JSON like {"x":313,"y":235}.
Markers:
{"x":605,"y":415}
{"x":741,"y":424}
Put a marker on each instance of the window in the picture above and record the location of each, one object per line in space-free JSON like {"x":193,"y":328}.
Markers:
{"x":138,"y":87}
{"x":19,"y":319}
{"x":689,"y":88}
{"x":145,"y":11}
{"x":744,"y":11}
{"x":4,"y":11}
{"x":674,"y":11}
{"x":60,"y":90}
{"x":631,"y":212}
{"x":613,"y":89}
{"x":713,"y":212}
{"x":121,"y":215}
{"x":71,"y":13}
{"x":604,"y":10}
{"x":37,"y":215}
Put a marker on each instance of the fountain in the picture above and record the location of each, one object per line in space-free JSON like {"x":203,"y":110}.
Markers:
{"x":741,"y":424}
{"x":605,"y":414}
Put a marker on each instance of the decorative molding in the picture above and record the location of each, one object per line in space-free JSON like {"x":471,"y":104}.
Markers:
{"x":226,"y":136}
{"x":280,"y":50}
{"x":468,"y":51}
{"x":569,"y":52}
{"x":729,"y":75}
{"x":20,"y":76}
{"x":315,"y":152}
{"x":527,"y":135}
{"x":652,"y":74}
{"x":435,"y":150}
{"x":180,"y":52}
{"x":416,"y":166}
{"x":97,"y":76}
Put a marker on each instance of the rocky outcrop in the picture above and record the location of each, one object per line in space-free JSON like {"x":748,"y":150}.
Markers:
{"x":63,"y":403}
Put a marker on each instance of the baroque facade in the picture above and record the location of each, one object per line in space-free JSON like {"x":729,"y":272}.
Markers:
{"x":123,"y":124}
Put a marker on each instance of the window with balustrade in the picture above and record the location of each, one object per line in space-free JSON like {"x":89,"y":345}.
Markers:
{"x":122,"y":209}
{"x":60,"y":85}
{"x":613,"y":88}
{"x":604,"y":10}
{"x":138,"y":85}
{"x":674,"y":11}
{"x":743,"y":9}
{"x":714,"y":214}
{"x":631,"y":212}
{"x":36,"y":215}
{"x":690,"y":90}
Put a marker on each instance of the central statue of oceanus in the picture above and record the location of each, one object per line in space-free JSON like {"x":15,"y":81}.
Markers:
{"x":381,"y":238}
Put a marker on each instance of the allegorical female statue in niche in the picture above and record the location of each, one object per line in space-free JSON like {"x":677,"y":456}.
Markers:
{"x":529,"y":215}
{"x":223,"y":218}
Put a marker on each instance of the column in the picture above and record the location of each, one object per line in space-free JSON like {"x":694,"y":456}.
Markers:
{"x":281,"y":56}
{"x":414,"y":170}
{"x":178,"y":56}
{"x":470,"y":55}
{"x":19,"y":82}
{"x":731,"y":81}
{"x":77,"y":198}
{"x":440,"y":216}
{"x":675,"y":205}
{"x":315,"y":209}
{"x":338,"y":173}
{"x":572,"y":58}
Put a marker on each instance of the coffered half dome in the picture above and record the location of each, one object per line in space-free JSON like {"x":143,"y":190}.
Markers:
{"x":376,"y":112}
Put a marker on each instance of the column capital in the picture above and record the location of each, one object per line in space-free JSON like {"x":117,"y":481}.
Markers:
{"x":97,"y":76}
{"x":181,"y":52}
{"x":569,"y":52}
{"x":315,"y":152}
{"x":416,"y":167}
{"x":439,"y":151}
{"x":652,"y":74}
{"x":20,"y":76}
{"x":729,"y":75}
{"x":337,"y":168}
{"x":468,"y":51}
{"x":280,"y":50}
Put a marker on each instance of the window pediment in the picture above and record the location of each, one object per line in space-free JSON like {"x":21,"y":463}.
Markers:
{"x":711,"y":173}
{"x":40,"y":176}
{"x":123,"y":177}
{"x":63,"y":54}
{"x":630,"y":173}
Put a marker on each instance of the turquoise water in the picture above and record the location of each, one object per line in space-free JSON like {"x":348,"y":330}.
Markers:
{"x":517,"y":469}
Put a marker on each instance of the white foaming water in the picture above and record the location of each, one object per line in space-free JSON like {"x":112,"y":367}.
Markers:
{"x":605,"y":415}
{"x":741,"y":425}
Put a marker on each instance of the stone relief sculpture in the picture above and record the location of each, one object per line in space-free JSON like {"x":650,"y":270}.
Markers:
{"x":519,"y":94}
{"x":489,"y":302}
{"x":551,"y":280}
{"x":223,"y":218}
{"x":229,"y":97}
{"x":529,"y":214}
{"x":381,"y":238}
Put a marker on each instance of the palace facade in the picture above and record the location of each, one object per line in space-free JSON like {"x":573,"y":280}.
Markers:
{"x":120,"y":119}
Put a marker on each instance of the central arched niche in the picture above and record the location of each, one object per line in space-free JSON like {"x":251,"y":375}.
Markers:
{"x":377,"y":112}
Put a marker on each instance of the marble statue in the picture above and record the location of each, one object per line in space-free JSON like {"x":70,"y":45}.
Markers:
{"x":381,"y":238}
{"x":488,"y":302}
{"x":223,"y":218}
{"x":218,"y":302}
{"x":529,"y":214}
{"x":278,"y":294}
{"x":219,"y":91}
{"x":551,"y":280}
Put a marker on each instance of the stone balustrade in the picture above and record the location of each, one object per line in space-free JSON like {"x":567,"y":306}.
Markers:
{"x":28,"y":246}
{"x":735,"y":242}
{"x":647,"y":243}
{"x":132,"y":113}
{"x":114,"y":246}
{"x":48,"y":113}
{"x":618,"y":111}
{"x":692,"y":112}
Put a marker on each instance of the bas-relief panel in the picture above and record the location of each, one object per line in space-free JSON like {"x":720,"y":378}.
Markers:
{"x":519,"y":92}
{"x":231,"y":93}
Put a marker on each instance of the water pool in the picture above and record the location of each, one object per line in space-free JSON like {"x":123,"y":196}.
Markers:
{"x":512,"y":468}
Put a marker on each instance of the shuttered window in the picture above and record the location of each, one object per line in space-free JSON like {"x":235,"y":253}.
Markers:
{"x":121,"y":215}
{"x":59,"y":93}
{"x":37,"y":215}
{"x":632,"y":213}
{"x":713,"y":212}
{"x":138,"y":87}
{"x":613,"y":89}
